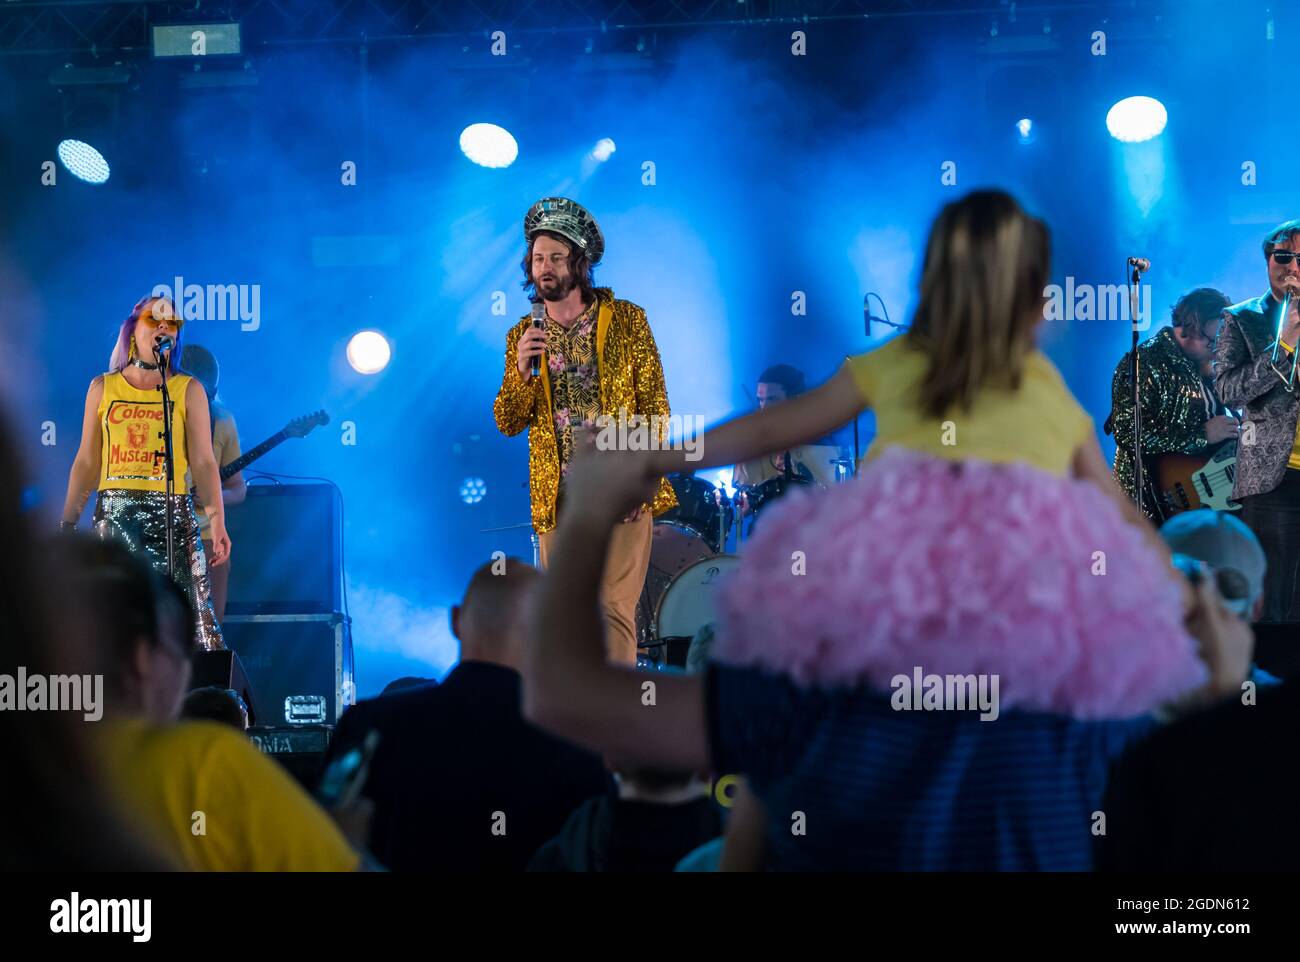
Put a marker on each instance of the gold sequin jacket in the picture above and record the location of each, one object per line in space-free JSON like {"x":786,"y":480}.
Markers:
{"x":631,"y":378}
{"x":1175,"y":407}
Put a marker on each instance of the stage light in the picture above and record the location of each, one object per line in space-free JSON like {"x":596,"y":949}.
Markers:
{"x":488,"y":145}
{"x":473,"y":490}
{"x":720,"y":478}
{"x":196,"y":40}
{"x":368,"y":352}
{"x":1135,"y":119}
{"x":83,"y":161}
{"x":603,"y":150}
{"x":1025,"y":130}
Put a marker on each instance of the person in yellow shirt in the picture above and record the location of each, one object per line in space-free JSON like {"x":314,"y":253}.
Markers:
{"x":201,"y":790}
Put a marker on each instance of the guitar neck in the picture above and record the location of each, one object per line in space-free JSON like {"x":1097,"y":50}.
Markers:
{"x":244,"y":460}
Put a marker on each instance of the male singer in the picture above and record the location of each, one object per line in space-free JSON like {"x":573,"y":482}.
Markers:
{"x":590,"y":354}
{"x":1267,"y":481}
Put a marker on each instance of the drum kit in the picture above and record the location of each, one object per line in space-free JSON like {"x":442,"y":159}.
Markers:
{"x":689,"y":558}
{"x":694,"y":547}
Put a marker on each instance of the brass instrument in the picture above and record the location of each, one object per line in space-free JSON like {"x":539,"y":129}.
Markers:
{"x":1288,"y":379}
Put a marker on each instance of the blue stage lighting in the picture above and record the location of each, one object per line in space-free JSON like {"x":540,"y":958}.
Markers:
{"x":368,"y":352}
{"x":473,"y":490}
{"x":83,"y":161}
{"x":1135,"y":119}
{"x":719,"y":478}
{"x":488,"y":145}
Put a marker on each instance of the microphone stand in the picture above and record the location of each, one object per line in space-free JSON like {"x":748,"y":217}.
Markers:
{"x":868,"y":317}
{"x":1135,"y":372}
{"x":168,"y":462}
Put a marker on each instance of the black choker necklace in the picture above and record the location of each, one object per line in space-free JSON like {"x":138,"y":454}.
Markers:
{"x":136,"y":362}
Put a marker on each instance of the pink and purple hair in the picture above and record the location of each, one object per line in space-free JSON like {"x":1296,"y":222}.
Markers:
{"x":121,"y":355}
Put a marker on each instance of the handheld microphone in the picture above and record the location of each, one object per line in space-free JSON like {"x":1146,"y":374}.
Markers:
{"x":539,"y":317}
{"x":1141,"y":263}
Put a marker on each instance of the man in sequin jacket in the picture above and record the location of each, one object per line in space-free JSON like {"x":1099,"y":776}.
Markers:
{"x":1181,"y":414}
{"x":597,"y":358}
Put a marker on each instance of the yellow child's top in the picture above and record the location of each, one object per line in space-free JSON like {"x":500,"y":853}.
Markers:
{"x":131,"y":444}
{"x":217,"y":804}
{"x":1040,"y":423}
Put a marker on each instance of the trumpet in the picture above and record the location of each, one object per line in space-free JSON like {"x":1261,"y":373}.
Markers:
{"x":1288,"y":378}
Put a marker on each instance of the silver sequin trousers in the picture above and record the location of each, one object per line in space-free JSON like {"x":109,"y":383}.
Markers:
{"x":139,"y":520}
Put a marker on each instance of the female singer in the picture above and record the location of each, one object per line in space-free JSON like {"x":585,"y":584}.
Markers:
{"x":121,"y":455}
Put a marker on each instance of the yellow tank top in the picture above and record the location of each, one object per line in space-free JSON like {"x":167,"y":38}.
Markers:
{"x":131,"y":444}
{"x":1041,"y":423}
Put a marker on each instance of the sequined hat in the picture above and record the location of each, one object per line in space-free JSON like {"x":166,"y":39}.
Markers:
{"x":570,"y":220}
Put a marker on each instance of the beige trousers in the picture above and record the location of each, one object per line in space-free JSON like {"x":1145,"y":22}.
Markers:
{"x":626,"y":564}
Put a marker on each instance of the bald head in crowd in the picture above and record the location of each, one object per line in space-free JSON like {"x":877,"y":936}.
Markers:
{"x":492,"y":619}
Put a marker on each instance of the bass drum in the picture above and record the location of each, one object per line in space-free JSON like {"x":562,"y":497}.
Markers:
{"x":681,"y":536}
{"x":690,"y":603}
{"x":674,"y":547}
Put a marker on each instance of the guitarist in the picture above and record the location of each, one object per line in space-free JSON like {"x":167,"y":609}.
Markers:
{"x":1181,"y":414}
{"x":200,"y":362}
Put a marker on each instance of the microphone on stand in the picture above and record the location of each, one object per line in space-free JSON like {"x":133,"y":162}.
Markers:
{"x":869,"y":318}
{"x":1141,"y":263}
{"x":163,"y":345}
{"x":539,"y":318}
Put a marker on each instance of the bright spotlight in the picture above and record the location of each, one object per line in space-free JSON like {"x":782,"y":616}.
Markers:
{"x":1135,"y":119}
{"x":473,"y":490}
{"x":488,"y":145}
{"x":368,"y":352}
{"x":1025,"y":128}
{"x":720,"y":478}
{"x":83,"y":161}
{"x":603,"y":150}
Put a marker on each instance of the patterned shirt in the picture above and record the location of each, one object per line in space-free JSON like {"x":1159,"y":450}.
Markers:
{"x":887,"y":791}
{"x":575,"y":384}
{"x":1176,"y":403}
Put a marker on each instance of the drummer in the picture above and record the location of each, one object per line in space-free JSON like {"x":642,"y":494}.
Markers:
{"x":811,"y":462}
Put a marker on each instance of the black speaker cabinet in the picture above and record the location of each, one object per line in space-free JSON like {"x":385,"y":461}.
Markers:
{"x":286,"y":551}
{"x":299,"y":665}
{"x":222,"y":669}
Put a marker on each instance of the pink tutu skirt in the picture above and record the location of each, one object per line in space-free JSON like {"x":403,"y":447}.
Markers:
{"x":962,"y":567}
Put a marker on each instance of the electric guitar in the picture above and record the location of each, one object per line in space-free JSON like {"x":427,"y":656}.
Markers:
{"x":1184,"y":482}
{"x":297,"y":428}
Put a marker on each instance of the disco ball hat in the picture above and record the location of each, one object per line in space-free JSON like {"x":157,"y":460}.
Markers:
{"x":570,"y":220}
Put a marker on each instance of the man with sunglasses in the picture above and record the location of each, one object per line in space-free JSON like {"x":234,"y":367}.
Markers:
{"x":1255,"y":370}
{"x":1180,"y":412}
